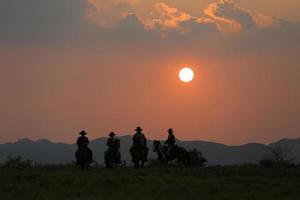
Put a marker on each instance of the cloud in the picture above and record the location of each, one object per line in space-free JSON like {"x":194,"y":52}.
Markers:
{"x":231,"y":18}
{"x":79,"y":21}
{"x":130,"y":29}
{"x":265,"y":21}
{"x":221,"y":16}
{"x":108,"y":13}
{"x":166,"y":19}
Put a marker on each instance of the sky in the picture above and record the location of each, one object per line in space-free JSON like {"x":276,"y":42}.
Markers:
{"x":112,"y":65}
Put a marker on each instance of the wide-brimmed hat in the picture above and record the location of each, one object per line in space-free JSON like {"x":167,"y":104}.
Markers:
{"x":170,"y":130}
{"x":82,"y":132}
{"x":111,"y":134}
{"x":138,"y":129}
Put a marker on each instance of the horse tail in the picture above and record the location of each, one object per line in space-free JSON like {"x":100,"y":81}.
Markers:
{"x":189,"y":159}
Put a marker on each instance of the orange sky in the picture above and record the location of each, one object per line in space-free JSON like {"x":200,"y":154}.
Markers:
{"x":100,"y":69}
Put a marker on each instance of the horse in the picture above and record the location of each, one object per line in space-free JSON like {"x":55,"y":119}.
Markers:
{"x":177,"y":153}
{"x":84,"y":157}
{"x":112,"y":155}
{"x":139,"y":156}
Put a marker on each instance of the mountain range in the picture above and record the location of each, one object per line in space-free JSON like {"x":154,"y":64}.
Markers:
{"x":47,"y":152}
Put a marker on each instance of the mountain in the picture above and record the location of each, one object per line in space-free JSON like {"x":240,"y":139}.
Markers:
{"x":45,"y":151}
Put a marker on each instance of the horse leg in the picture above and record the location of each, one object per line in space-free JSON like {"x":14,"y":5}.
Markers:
{"x":136,"y":164}
{"x":82,"y":166}
{"x":188,"y":161}
{"x":77,"y":157}
{"x":142,"y":164}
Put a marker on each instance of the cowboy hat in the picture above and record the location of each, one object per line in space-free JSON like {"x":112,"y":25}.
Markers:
{"x":82,"y":132}
{"x":170,"y":130}
{"x":138,"y":129}
{"x":111,"y":134}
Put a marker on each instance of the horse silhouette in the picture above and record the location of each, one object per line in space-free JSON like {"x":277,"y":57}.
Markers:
{"x":112,"y":156}
{"x":139,"y":156}
{"x":181,"y":155}
{"x":83,"y":157}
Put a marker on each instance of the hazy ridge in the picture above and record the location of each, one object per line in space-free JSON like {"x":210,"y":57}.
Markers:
{"x":45,"y":151}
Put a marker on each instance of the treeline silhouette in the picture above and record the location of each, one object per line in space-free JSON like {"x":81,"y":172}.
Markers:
{"x":278,"y":158}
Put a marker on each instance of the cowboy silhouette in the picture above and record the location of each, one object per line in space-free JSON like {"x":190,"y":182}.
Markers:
{"x":139,"y":143}
{"x":170,"y":142}
{"x":112,"y":155}
{"x":111,"y":140}
{"x":83,"y":142}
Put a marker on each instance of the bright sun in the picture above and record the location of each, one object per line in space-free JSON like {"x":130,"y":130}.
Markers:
{"x":186,"y":74}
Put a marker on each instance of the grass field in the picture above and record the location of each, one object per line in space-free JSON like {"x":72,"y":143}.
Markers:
{"x":232,"y":183}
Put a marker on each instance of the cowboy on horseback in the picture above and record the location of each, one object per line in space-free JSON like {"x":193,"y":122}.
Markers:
{"x":170,"y":142}
{"x":82,"y":143}
{"x":112,"y":154}
{"x":139,"y":143}
{"x":169,"y":151}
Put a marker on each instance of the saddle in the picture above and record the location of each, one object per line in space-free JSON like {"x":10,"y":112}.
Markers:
{"x":168,"y":149}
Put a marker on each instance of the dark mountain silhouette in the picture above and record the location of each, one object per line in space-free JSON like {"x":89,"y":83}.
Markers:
{"x":45,"y":151}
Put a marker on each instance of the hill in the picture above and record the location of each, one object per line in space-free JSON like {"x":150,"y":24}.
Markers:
{"x":45,"y":151}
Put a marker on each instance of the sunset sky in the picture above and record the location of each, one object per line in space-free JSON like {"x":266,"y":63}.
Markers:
{"x":112,"y":65}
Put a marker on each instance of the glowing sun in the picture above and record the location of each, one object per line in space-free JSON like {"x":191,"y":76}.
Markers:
{"x":186,"y":74}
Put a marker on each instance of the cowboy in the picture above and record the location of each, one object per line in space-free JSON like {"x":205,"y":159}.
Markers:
{"x":113,"y":148}
{"x":111,"y":140}
{"x":139,"y":142}
{"x":83,"y":142}
{"x":170,"y":142}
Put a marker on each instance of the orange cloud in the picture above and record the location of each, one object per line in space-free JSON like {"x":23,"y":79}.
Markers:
{"x":231,"y":18}
{"x":166,"y":19}
{"x":223,"y":24}
{"x":225,"y":15}
{"x":170,"y":17}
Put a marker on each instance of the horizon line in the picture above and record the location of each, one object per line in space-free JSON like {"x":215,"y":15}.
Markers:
{"x":151,"y":139}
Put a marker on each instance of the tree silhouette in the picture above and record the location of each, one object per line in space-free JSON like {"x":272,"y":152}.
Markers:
{"x":197,"y":158}
{"x":279,"y":156}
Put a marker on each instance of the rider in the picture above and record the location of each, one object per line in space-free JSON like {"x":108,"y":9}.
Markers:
{"x":113,"y":146}
{"x":111,"y":140}
{"x":170,"y":142}
{"x":83,"y":142}
{"x":139,"y":141}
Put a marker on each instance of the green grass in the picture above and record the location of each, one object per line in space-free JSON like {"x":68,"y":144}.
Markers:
{"x":232,"y":183}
